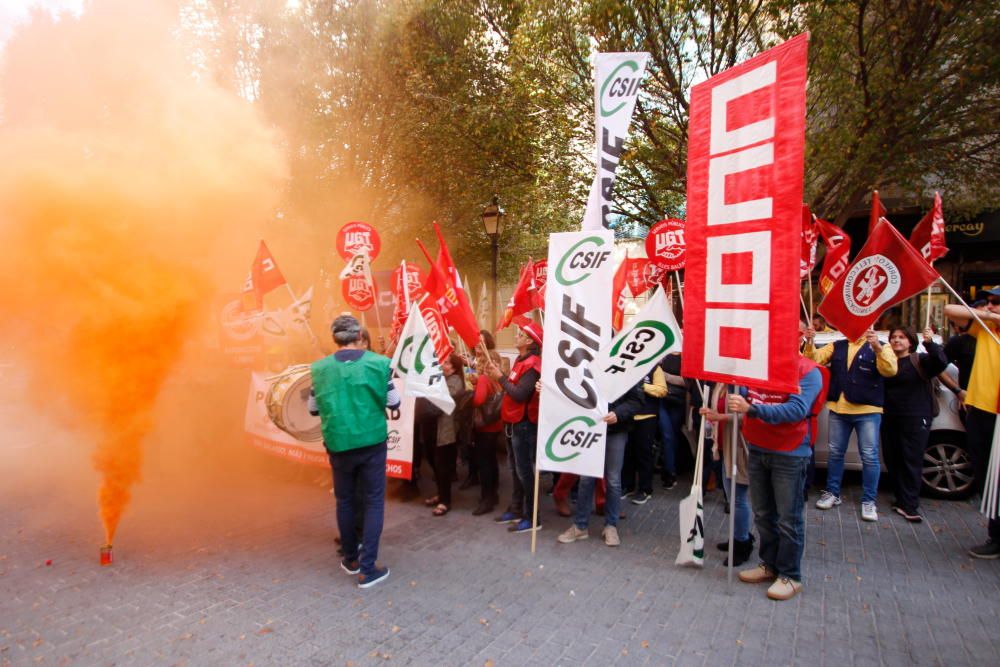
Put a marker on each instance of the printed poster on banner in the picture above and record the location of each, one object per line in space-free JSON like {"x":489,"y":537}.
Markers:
{"x":617,"y":81}
{"x":665,"y":244}
{"x":399,"y":457}
{"x":634,"y":353}
{"x":357,"y":238}
{"x":744,"y":221}
{"x":262,"y":433}
{"x":571,"y":430}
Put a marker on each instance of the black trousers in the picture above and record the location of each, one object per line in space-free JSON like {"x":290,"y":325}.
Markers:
{"x":979,"y":438}
{"x":484,"y":456}
{"x":904,"y":440}
{"x":637,"y":471}
{"x":444,"y":471}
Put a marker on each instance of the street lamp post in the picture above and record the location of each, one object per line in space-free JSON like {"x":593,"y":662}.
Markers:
{"x":493,"y":224}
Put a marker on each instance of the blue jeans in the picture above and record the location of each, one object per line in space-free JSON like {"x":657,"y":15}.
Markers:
{"x":364,"y":466}
{"x":614,"y":456}
{"x":741,"y":518}
{"x":522,"y":441}
{"x":776,"y":490}
{"x":867,"y":427}
{"x":671,"y":420}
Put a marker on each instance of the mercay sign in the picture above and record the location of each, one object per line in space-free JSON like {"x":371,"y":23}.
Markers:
{"x":744,"y":221}
{"x":577,"y":326}
{"x":616,"y":89}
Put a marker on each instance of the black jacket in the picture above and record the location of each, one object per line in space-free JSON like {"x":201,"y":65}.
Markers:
{"x":626,"y":407}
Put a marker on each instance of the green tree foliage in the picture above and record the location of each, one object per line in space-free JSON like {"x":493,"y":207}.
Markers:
{"x":401,"y":112}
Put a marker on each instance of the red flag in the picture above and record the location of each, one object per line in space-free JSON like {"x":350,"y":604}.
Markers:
{"x":838,"y":246}
{"x":877,"y":213}
{"x":413,"y":289}
{"x":618,"y":295}
{"x":809,"y":237}
{"x":888,"y":270}
{"x":746,"y":142}
{"x":522,"y":300}
{"x":264,"y":277}
{"x":928,"y":236}
{"x":635,"y":275}
{"x":541,"y":275}
{"x":437,"y":329}
{"x":442,"y":285}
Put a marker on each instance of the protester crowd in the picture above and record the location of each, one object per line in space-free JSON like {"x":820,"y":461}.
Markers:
{"x":884,"y":393}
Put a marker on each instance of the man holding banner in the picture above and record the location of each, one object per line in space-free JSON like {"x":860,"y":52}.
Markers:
{"x":982,"y":404}
{"x":779,"y":431}
{"x":619,"y":419}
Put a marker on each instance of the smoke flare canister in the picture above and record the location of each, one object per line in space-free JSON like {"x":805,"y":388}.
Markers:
{"x":107,"y":556}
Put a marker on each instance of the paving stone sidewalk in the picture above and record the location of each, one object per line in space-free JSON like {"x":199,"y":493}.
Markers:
{"x":192,"y":588}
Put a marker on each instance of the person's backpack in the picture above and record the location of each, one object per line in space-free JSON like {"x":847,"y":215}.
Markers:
{"x":489,"y":412}
{"x":931,"y":383}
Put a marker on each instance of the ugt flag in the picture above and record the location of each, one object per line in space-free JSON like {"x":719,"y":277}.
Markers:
{"x":416,"y":361}
{"x":888,"y":270}
{"x":635,"y":351}
{"x":835,"y":262}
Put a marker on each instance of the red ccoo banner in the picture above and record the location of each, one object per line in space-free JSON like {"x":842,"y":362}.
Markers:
{"x":744,"y":221}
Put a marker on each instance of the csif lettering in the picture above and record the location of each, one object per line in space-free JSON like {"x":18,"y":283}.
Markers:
{"x":578,"y":349}
{"x":645,"y":335}
{"x":579,"y":260}
{"x":575,"y":434}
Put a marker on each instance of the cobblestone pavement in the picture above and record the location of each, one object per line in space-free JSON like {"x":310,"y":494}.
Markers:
{"x":253,"y":579}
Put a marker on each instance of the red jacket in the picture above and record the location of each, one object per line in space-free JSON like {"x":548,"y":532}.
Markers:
{"x":511,"y":411}
{"x":788,"y":436}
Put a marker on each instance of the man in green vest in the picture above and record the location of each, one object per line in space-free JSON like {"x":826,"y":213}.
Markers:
{"x":352,"y":389}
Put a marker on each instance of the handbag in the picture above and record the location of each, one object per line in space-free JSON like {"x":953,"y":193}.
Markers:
{"x":489,"y":412}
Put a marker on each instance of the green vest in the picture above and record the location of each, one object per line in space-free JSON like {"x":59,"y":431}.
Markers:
{"x":351,"y":396}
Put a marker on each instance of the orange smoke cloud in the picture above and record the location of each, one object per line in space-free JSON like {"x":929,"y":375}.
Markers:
{"x":124,"y":181}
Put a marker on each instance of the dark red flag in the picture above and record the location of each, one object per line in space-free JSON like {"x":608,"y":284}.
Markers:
{"x":523,"y":298}
{"x":877,"y":213}
{"x":887,"y":271}
{"x":838,"y":246}
{"x":928,"y":236}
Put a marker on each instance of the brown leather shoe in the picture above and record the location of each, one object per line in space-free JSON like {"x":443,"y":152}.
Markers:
{"x":562,"y":507}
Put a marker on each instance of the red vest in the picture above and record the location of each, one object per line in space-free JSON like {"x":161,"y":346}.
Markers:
{"x":782,"y":437}
{"x":511,"y":411}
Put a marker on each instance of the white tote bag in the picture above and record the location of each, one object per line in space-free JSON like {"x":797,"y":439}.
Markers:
{"x":692,"y":513}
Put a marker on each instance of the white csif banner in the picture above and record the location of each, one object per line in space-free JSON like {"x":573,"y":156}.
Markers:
{"x":651,"y":335}
{"x":616,"y":88}
{"x":571,"y":432}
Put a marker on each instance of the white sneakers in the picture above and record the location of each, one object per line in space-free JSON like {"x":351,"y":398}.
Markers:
{"x":827,"y":500}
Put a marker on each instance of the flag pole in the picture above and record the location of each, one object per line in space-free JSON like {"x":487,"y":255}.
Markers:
{"x":308,"y":327}
{"x":972,"y":312}
{"x":927,"y":320}
{"x":811,"y":310}
{"x":734,"y":443}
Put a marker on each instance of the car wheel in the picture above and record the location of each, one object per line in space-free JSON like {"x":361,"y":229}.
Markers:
{"x":948,"y":469}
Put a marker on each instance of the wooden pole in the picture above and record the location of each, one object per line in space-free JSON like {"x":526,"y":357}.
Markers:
{"x":732,"y":492}
{"x":972,"y":312}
